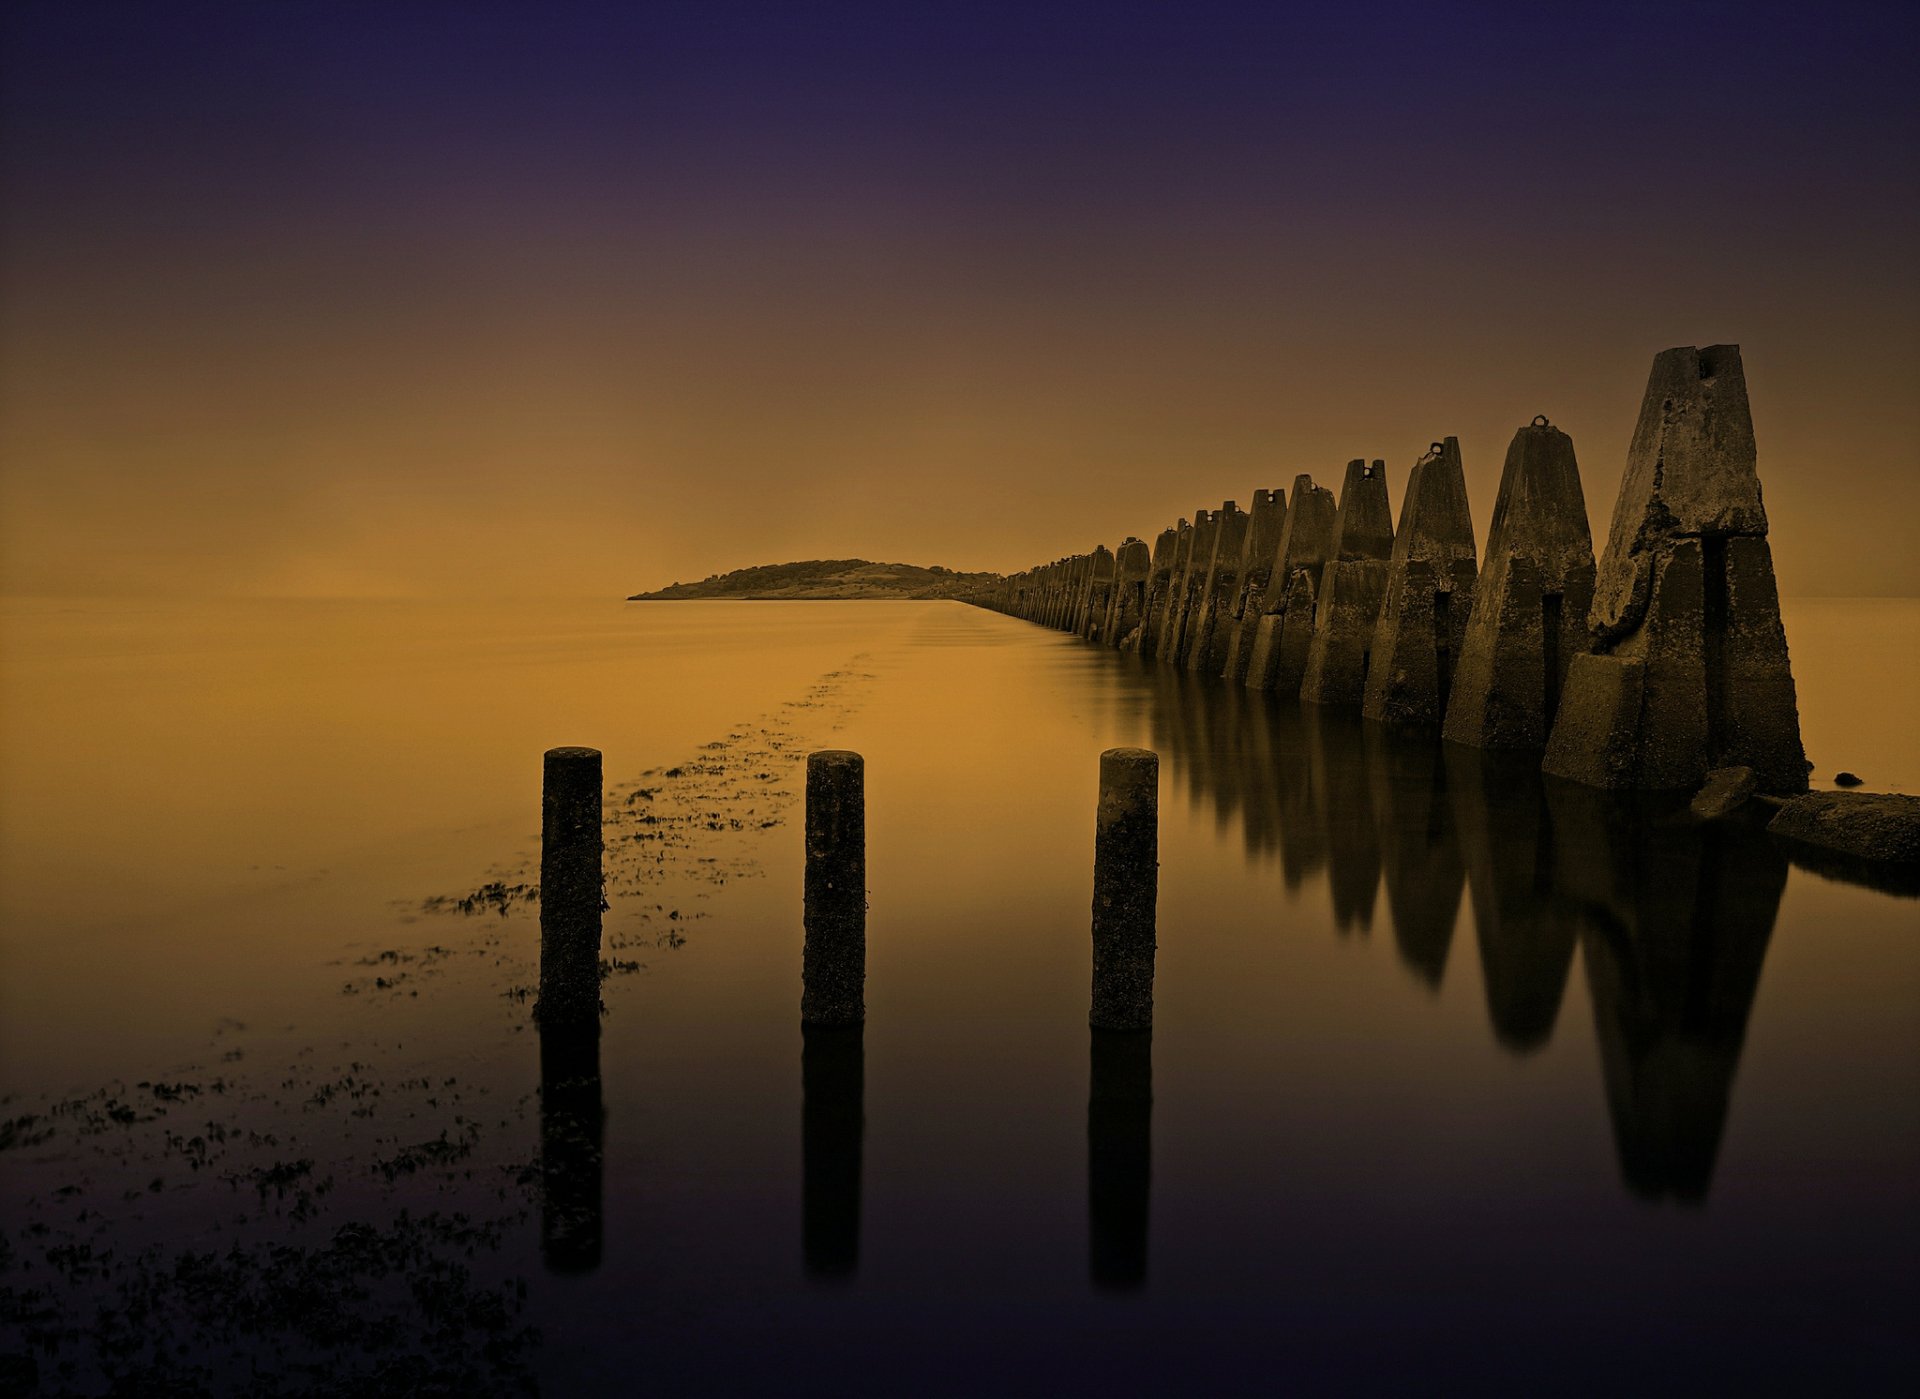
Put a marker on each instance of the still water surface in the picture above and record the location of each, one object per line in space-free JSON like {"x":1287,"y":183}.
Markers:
{"x":1454,"y":1076}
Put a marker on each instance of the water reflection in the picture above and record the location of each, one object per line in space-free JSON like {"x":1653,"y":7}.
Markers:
{"x":1672,"y":918}
{"x":1525,"y":932}
{"x":1674,"y":924}
{"x":572,"y":1135}
{"x":832,"y":1124}
{"x":1119,"y":1157}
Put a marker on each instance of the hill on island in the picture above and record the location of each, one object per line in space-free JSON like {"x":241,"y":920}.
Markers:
{"x":823,"y":578}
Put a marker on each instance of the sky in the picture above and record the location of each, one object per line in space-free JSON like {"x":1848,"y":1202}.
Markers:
{"x":415,"y":299}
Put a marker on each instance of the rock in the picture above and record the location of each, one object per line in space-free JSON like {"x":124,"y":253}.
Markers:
{"x":1725,"y":792}
{"x":1846,"y":779}
{"x":1881,"y":827}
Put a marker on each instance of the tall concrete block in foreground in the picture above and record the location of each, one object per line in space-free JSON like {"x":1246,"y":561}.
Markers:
{"x":1186,"y":587}
{"x":1126,"y":884}
{"x":570,"y":888}
{"x":1206,"y":632}
{"x":1353,"y":583}
{"x":1306,"y":543}
{"x":1132,"y":563}
{"x":1689,"y":670}
{"x":1530,"y":605}
{"x":833,"y":965}
{"x":1430,"y":578}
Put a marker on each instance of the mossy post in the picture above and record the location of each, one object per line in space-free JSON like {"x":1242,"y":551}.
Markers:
{"x":570,"y":888}
{"x":833,"y":963}
{"x":1126,"y":884}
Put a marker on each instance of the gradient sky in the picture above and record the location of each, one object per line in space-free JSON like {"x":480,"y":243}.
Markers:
{"x":389,"y":298}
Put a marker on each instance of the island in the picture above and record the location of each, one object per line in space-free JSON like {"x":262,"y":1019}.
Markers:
{"x":815,"y":579}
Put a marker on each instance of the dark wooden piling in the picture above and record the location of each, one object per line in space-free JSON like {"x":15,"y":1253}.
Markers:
{"x":570,"y":888}
{"x":833,"y":967}
{"x":1126,"y":882}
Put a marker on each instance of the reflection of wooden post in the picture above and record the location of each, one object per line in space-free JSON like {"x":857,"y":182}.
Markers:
{"x":570,"y":888}
{"x":832,"y":1122}
{"x":833,"y":965}
{"x":1119,"y":1157}
{"x":1126,"y":882}
{"x":572,"y":1133}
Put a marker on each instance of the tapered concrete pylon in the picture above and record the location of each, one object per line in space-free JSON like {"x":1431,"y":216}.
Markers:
{"x":1306,"y":543}
{"x":1430,"y":577}
{"x":1166,"y":547}
{"x":1132,"y":563}
{"x":1689,"y":670}
{"x":1530,"y":604}
{"x":1205,"y":648}
{"x":1156,"y":630}
{"x":1186,"y":590}
{"x":1353,"y":583}
{"x":1097,"y":593}
{"x":1266,"y":522}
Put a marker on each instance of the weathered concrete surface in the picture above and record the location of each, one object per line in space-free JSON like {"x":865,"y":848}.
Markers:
{"x":1186,"y":586}
{"x":1306,"y":542}
{"x":1296,"y":634}
{"x":1166,"y":547}
{"x":1206,"y":644}
{"x":1097,"y":595}
{"x":571,"y":888}
{"x":1725,"y":791}
{"x":1686,"y":591}
{"x":1133,"y":564}
{"x":1881,"y":827}
{"x":1353,"y":584}
{"x":1266,"y":522}
{"x":1126,"y":865}
{"x":1430,"y":579}
{"x":1531,"y":601}
{"x":1153,"y":643}
{"x":833,"y":966}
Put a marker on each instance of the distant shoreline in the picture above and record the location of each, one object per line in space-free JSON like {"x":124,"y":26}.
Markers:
{"x":824,"y":580}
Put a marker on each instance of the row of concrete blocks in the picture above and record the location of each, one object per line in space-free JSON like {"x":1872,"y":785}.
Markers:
{"x":1661,"y":662}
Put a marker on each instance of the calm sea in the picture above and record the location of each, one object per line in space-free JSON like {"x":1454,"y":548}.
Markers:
{"x":1455,"y":1076}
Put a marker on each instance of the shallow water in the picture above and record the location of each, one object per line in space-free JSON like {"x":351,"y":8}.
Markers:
{"x":1454,"y":1075}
